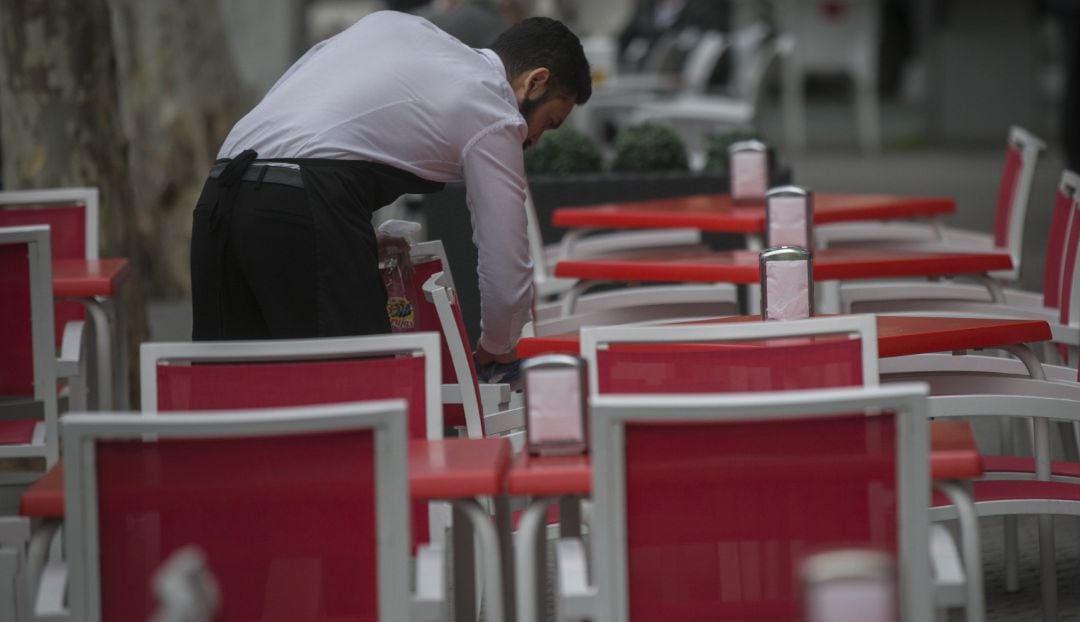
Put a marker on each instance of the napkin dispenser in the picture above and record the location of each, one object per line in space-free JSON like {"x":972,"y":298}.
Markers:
{"x":849,"y":585}
{"x":789,"y":217}
{"x":748,"y":165}
{"x":787,"y":280}
{"x":555,"y":405}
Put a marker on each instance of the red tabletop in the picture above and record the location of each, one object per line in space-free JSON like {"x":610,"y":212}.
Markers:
{"x":898,"y":335}
{"x":554,"y":475}
{"x":457,"y":468}
{"x":446,"y":469}
{"x":742,"y":267}
{"x":953,"y":456}
{"x":717,"y":212}
{"x":85,"y":278}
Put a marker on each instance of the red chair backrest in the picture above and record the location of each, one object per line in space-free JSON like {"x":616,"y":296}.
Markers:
{"x":772,"y":365}
{"x":299,"y":383}
{"x":1010,"y":177}
{"x":720,"y":516}
{"x":1069,"y":275}
{"x":1056,"y":256}
{"x":16,"y":341}
{"x":16,"y":338}
{"x":287,"y":524}
{"x":67,"y":236}
{"x":428,"y":320}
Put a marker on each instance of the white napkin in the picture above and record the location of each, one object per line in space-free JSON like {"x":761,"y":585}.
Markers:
{"x":787,"y":222}
{"x":555,"y":406}
{"x":749,"y":175}
{"x":787,"y":290}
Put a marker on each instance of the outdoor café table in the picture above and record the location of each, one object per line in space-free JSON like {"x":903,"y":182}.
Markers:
{"x":897,"y":336}
{"x":742,"y":267}
{"x":455,"y":470}
{"x":96,"y":283}
{"x":718,"y":213}
{"x":954,"y":457}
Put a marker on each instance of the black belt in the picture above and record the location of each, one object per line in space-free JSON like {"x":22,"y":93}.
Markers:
{"x":270,"y":174}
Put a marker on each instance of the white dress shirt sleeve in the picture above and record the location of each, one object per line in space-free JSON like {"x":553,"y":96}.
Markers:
{"x":494,"y":166}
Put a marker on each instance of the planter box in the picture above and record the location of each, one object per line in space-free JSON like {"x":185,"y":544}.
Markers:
{"x":448,"y":218}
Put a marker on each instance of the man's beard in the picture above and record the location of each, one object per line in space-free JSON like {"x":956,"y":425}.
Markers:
{"x":526,"y":108}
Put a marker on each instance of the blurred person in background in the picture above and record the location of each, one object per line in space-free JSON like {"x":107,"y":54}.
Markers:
{"x":282,"y":242}
{"x":1068,"y":12}
{"x":475,"y":23}
{"x":648,"y":41}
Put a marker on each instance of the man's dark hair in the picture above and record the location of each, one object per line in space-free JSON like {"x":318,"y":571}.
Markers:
{"x":544,"y":42}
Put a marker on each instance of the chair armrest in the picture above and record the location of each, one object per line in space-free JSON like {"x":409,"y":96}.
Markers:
{"x":849,"y":233}
{"x":504,"y":421}
{"x":495,"y":396}
{"x":621,"y":241}
{"x":50,"y":601}
{"x":72,"y":351}
{"x":948,"y":571}
{"x":429,"y":601}
{"x":574,"y":597}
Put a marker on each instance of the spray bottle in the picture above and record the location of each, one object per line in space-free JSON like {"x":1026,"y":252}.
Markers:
{"x":400,"y":297}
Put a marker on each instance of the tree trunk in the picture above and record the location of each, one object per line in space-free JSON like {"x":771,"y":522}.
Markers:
{"x":131,"y":96}
{"x":179,"y":95}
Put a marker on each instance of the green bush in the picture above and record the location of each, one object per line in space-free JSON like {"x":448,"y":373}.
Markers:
{"x":649,"y":148}
{"x":564,"y":151}
{"x":716,"y":155}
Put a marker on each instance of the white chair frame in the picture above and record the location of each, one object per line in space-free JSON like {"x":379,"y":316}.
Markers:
{"x":89,"y":197}
{"x":494,"y":403}
{"x":45,"y":443}
{"x":109,"y":349}
{"x":865,"y":326}
{"x":934,"y":235}
{"x":606,"y":598}
{"x":423,"y":344}
{"x":386,"y":418}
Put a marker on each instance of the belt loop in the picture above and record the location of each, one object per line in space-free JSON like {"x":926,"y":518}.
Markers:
{"x":262,"y":173}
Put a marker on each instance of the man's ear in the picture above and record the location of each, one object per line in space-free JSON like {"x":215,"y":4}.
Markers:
{"x":535,"y":83}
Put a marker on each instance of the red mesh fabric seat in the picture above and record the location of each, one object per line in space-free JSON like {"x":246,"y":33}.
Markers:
{"x":719,"y":517}
{"x":287,"y":516}
{"x":736,"y":357}
{"x":269,"y":374}
{"x":28,"y":390}
{"x":706,"y":506}
{"x":67,"y":229}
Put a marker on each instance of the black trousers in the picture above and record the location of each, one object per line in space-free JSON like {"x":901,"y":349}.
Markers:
{"x":274,"y":261}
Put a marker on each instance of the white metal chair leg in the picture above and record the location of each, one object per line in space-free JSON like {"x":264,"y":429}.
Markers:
{"x":492,"y":569}
{"x":528,"y":575}
{"x":103,"y":360}
{"x":975,"y":606}
{"x":1049,"y":568}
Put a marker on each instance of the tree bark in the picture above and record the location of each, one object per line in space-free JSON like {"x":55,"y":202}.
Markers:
{"x":131,"y":96}
{"x":179,"y":95}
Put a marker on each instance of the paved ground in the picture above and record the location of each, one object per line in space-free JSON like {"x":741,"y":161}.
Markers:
{"x":907,"y":165}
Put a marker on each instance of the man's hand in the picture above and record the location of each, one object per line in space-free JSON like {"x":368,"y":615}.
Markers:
{"x":483,"y":357}
{"x":390,"y":246}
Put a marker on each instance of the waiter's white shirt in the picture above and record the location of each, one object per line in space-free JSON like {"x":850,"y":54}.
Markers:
{"x":396,"y":90}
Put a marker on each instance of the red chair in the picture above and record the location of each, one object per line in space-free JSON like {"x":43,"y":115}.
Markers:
{"x":300,"y":513}
{"x":1021,"y":156}
{"x":819,"y":353}
{"x":29,"y":400}
{"x":1052,"y":304}
{"x":705,"y":505}
{"x":489,"y":409}
{"x":28,"y":376}
{"x":273,"y":374}
{"x":72,"y":215}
